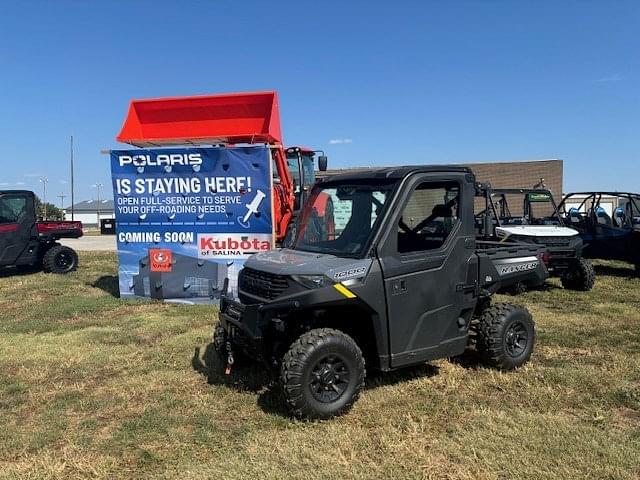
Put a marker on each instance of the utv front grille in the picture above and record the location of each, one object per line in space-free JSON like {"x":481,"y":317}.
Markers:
{"x":554,"y":241}
{"x":262,"y":284}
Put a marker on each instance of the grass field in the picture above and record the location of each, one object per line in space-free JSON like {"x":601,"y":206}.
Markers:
{"x":93,"y":386}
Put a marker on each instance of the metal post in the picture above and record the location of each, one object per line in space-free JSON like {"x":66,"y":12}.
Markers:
{"x":44,"y":181}
{"x":61,"y":196}
{"x":72,"y":197}
{"x":98,"y":186}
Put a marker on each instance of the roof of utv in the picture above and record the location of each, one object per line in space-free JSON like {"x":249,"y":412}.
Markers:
{"x":16,"y":192}
{"x":394,"y":173}
{"x":515,"y":191}
{"x":613,"y":194}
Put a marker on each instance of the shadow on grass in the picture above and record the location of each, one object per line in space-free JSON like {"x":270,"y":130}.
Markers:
{"x":615,"y":271}
{"x":109,"y":284}
{"x":544,"y":287}
{"x":19,"y":271}
{"x":255,"y":379}
{"x":469,"y":360}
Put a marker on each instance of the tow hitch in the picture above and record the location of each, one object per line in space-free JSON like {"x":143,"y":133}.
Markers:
{"x":227,"y":370}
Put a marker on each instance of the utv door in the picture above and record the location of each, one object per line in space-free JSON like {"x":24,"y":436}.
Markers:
{"x":425,"y":259}
{"x":17,"y":221}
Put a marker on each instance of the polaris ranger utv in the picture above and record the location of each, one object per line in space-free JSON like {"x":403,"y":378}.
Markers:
{"x":398,"y":280}
{"x":26,"y":242}
{"x":537,"y":220}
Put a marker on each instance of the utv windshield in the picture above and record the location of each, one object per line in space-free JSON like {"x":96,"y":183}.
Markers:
{"x":340,"y":219}
{"x":526,"y":208}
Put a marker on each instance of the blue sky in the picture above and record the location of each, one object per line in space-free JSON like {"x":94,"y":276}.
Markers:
{"x":371,"y":83}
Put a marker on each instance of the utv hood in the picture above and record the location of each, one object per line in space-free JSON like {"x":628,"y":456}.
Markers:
{"x":285,"y":261}
{"x":536,"y":231}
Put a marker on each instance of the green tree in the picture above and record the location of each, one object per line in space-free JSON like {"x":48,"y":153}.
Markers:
{"x":53,"y":212}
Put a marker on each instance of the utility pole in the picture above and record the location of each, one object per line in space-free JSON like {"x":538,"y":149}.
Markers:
{"x":61,"y":196}
{"x":44,"y":181}
{"x":72,"y":198}
{"x":99,"y":186}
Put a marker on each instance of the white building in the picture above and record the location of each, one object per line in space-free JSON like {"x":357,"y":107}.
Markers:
{"x":90,"y":212}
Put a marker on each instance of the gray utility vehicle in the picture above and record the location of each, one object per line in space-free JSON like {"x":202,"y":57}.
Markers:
{"x":25,"y":242}
{"x":391,"y":273}
{"x":536,"y":220}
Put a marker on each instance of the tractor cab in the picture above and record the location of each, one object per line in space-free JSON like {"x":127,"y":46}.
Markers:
{"x":301,"y":166}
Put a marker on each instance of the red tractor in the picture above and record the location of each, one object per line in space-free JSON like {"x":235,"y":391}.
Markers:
{"x":230,"y":119}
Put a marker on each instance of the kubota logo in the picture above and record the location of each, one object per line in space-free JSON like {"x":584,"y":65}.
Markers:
{"x":161,"y":259}
{"x":232,"y":245}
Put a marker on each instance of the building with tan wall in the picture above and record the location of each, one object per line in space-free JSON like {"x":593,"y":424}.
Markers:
{"x":519,"y":174}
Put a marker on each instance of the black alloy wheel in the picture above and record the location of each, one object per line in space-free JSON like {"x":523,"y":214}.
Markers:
{"x":329,"y":379}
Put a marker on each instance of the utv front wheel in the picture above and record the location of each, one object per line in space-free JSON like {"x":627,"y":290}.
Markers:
{"x":322,"y":374}
{"x":60,"y":259}
{"x":580,"y":276}
{"x":505,"y":336}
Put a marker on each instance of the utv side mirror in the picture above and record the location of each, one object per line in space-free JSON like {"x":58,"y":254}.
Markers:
{"x":322,"y":163}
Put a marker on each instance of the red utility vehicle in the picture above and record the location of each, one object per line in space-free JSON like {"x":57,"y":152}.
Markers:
{"x":228,"y":120}
{"x":26,"y":242}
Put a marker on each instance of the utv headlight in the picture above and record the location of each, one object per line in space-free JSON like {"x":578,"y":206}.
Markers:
{"x":313,"y":281}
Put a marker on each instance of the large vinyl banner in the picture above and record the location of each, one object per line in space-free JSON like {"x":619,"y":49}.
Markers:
{"x":186,"y":218}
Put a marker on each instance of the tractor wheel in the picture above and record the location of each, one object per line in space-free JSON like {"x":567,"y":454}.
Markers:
{"x":60,"y":259}
{"x":322,"y":374}
{"x":580,"y":276}
{"x":505,"y":336}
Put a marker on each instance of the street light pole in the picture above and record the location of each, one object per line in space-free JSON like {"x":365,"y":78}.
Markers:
{"x":44,"y":181}
{"x":72,"y":185}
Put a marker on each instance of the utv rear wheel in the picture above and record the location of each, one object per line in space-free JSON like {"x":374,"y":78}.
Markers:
{"x":580,"y":276}
{"x":505,"y":336}
{"x":60,"y":259}
{"x":322,"y":374}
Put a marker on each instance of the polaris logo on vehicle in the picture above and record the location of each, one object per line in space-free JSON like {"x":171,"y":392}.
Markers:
{"x":161,"y":159}
{"x":518,"y":267}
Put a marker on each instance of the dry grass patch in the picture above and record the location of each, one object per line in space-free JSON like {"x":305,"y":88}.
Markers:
{"x":92,"y":386}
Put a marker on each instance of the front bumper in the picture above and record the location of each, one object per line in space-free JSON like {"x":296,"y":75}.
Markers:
{"x":260,"y":329}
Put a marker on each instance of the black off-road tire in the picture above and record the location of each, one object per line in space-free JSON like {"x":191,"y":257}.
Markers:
{"x":580,"y":276}
{"x":505,"y":336}
{"x":637,"y":270}
{"x":60,"y":259}
{"x":322,"y":374}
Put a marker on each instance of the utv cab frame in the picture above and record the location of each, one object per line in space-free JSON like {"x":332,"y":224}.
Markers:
{"x":609,"y":236}
{"x":536,"y":220}
{"x":399,"y":279}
